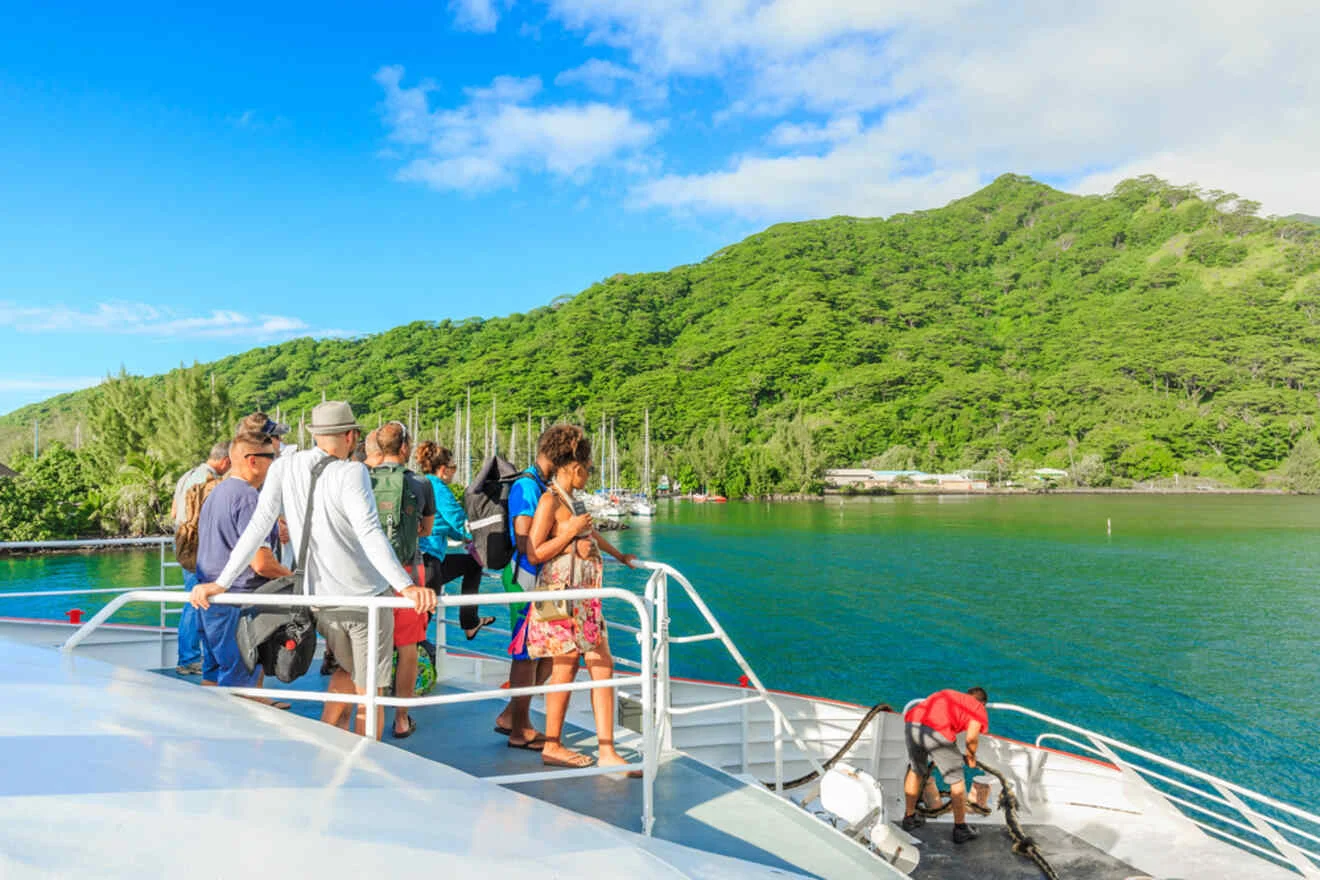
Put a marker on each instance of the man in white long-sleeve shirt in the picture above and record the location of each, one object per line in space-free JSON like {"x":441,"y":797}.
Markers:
{"x":349,"y":553}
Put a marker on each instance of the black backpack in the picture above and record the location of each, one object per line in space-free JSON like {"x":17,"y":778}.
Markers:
{"x":486,"y":502}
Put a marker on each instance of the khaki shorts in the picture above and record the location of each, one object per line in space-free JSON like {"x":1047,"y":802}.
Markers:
{"x":345,"y":634}
{"x":925,"y":746}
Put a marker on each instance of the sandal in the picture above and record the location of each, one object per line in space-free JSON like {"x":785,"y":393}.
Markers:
{"x":533,"y":745}
{"x":481,"y":623}
{"x":576,"y":762}
{"x":412,"y":728}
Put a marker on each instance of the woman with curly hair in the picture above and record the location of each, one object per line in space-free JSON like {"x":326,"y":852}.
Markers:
{"x":569,"y":550}
{"x":442,"y":550}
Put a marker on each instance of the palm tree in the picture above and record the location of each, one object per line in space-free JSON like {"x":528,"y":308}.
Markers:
{"x":138,"y":504}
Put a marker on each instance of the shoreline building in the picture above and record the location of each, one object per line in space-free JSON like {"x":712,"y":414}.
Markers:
{"x":865,"y":478}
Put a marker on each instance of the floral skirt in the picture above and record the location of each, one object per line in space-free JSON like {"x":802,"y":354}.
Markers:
{"x":585,"y":627}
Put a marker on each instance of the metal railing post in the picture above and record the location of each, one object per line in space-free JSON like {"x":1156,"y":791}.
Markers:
{"x":373,"y":645}
{"x":779,"y":755}
{"x":662,"y":691}
{"x":746,"y":724}
{"x":650,"y":758}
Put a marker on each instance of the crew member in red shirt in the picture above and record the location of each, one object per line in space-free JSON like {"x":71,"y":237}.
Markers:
{"x":933,"y":726}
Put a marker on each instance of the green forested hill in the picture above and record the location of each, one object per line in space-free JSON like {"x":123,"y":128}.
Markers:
{"x":1156,"y":330}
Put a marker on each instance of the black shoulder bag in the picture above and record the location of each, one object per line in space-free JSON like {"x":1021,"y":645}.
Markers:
{"x":283,"y":640}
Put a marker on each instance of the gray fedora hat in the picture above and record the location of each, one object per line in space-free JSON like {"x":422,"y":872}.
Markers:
{"x":332,"y":417}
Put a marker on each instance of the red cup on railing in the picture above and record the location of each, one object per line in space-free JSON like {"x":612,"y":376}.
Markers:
{"x":74,"y":615}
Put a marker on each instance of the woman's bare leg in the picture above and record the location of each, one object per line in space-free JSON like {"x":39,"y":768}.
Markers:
{"x":600,"y":666}
{"x":556,"y":707}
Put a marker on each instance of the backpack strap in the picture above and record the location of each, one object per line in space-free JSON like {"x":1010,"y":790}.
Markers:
{"x":300,"y":574}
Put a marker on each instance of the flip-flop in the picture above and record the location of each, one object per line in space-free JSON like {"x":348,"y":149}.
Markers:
{"x":577,"y":762}
{"x":481,"y":623}
{"x":412,"y":728}
{"x":281,"y":705}
{"x":503,"y":731}
{"x":534,"y":746}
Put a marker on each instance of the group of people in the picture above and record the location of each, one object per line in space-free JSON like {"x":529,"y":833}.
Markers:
{"x":369,"y":526}
{"x":365,"y":524}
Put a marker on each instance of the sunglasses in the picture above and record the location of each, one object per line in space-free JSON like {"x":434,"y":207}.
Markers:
{"x":403,"y":429}
{"x":261,"y":455}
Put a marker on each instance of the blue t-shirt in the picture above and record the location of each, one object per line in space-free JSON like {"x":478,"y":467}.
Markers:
{"x":225,"y":515}
{"x":450,"y":521}
{"x":524,"y":495}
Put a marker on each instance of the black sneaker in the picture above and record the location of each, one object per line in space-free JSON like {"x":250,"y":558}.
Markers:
{"x":963,"y":833}
{"x":911,"y":822}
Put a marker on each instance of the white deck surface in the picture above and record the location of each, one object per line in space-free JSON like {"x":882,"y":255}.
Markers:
{"x":112,"y":772}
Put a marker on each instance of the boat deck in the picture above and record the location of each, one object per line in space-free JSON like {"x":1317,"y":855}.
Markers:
{"x":990,"y":856}
{"x":705,"y":809}
{"x":695,"y":805}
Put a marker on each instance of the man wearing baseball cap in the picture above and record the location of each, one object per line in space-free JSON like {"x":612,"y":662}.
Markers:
{"x":349,"y":553}
{"x":260,"y":423}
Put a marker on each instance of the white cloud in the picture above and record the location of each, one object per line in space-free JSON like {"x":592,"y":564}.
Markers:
{"x":1216,"y":91}
{"x":842,"y":128}
{"x":49,"y":384}
{"x":497,"y":134}
{"x":607,"y":78}
{"x":482,"y":16}
{"x":850,"y":179}
{"x":142,"y":319}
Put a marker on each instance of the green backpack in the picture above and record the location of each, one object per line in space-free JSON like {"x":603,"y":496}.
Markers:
{"x":399,"y":509}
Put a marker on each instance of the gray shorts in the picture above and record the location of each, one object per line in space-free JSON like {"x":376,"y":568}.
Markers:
{"x":345,"y":634}
{"x":925,"y":745}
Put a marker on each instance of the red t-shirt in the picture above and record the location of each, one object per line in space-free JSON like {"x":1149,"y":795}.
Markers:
{"x":948,"y":713}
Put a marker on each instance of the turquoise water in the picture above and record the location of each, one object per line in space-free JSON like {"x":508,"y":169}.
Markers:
{"x":1191,"y":630}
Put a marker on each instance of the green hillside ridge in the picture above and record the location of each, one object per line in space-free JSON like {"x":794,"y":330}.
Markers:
{"x":1156,"y":330}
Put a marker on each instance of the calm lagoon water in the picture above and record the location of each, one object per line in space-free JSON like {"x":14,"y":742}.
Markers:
{"x":1193,"y":629}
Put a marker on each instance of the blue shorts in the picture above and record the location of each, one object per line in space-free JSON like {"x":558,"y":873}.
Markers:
{"x":224,"y":662}
{"x":518,"y":639}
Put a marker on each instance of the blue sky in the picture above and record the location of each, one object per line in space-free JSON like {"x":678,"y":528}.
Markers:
{"x":182,"y":184}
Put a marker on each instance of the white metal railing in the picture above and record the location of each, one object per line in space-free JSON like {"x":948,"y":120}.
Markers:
{"x":657,"y":589}
{"x":1232,"y":803}
{"x":373,"y":701}
{"x":161,"y":541}
{"x":20,"y":546}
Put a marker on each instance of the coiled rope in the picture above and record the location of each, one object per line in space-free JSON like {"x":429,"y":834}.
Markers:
{"x":1023,"y":843}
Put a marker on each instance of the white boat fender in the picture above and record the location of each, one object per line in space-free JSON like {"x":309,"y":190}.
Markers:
{"x":854,"y":797}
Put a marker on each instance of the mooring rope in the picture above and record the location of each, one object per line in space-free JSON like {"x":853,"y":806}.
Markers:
{"x":852,"y":741}
{"x":1023,"y":844}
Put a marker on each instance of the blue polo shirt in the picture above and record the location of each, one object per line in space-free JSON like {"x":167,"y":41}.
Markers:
{"x":524,"y":495}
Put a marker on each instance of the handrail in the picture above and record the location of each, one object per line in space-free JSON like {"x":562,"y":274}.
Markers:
{"x":37,"y":594}
{"x":1080,"y":746}
{"x":86,"y":542}
{"x":373,"y":700}
{"x":657,"y":587}
{"x":1260,"y":824}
